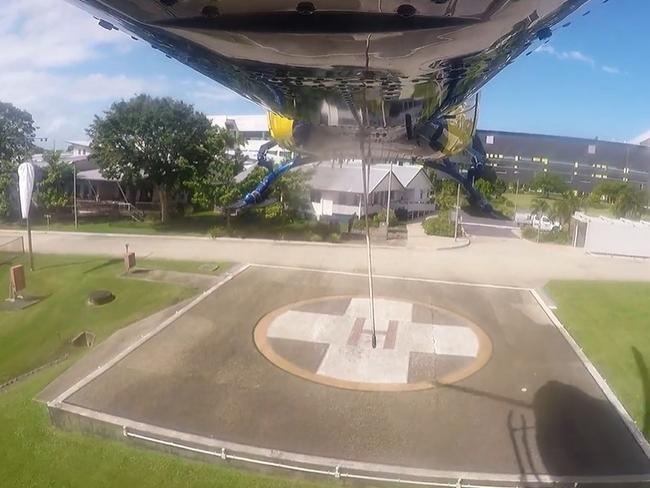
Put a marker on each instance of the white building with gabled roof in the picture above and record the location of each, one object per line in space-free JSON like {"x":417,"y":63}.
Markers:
{"x":336,"y":191}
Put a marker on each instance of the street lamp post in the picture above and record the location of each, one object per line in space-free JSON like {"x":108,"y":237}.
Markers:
{"x":74,"y":194}
{"x":457,"y":211}
{"x":390,"y":179}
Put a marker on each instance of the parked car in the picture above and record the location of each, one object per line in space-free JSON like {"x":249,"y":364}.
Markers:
{"x":545,"y":223}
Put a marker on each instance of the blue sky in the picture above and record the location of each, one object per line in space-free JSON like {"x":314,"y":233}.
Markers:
{"x":591,"y":79}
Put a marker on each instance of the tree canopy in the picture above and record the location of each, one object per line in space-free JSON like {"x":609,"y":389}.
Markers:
{"x":16,"y":137}
{"x":217,"y":186}
{"x":539,"y":207}
{"x":161,"y":139}
{"x":55,"y":187}
{"x":565,"y":207}
{"x":549,"y":183}
{"x":630,"y":202}
{"x":609,"y":190}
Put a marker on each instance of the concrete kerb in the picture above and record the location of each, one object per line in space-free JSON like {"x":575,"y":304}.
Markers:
{"x":466,"y":241}
{"x":338,"y":468}
{"x":215,"y":449}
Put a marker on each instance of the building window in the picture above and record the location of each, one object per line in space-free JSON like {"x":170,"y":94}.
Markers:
{"x":489,"y":139}
{"x":591,"y":149}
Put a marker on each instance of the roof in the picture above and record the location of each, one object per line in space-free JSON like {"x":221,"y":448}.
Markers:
{"x":244,"y":123}
{"x":92,"y":175}
{"x":346,"y":179}
{"x":405,"y":174}
{"x":583,"y":217}
{"x":79,"y":143}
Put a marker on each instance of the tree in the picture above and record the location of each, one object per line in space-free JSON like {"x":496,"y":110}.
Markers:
{"x":291,"y":190}
{"x":549,"y":183}
{"x":485,"y":188}
{"x":16,"y":135}
{"x":54,"y":188}
{"x":566,"y":206}
{"x":217,"y":187}
{"x":630,"y":202}
{"x":160,"y":139}
{"x":539,"y":207}
{"x":609,"y":190}
{"x":445,"y":195}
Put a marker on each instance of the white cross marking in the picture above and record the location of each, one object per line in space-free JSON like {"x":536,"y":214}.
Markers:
{"x":355,"y":360}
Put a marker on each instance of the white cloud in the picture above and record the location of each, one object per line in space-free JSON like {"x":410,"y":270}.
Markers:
{"x":641,"y":137}
{"x":566,"y":55}
{"x":66,"y":104}
{"x":578,"y":56}
{"x":48,"y":33}
{"x":612,"y":70}
{"x":47,"y":65}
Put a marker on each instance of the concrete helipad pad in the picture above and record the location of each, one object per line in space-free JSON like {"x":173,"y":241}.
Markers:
{"x":276,"y":365}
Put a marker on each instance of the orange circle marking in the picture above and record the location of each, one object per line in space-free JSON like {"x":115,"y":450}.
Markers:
{"x":260,"y":336}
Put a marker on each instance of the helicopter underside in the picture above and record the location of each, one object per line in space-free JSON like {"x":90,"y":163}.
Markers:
{"x":393,"y":74}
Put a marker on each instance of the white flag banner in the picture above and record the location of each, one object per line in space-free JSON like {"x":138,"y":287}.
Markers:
{"x":25,"y":186}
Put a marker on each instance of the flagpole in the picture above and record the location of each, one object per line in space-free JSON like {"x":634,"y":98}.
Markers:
{"x":29,"y":243}
{"x":74,"y":198}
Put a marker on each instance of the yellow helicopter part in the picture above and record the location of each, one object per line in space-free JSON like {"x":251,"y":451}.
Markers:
{"x":281,"y":130}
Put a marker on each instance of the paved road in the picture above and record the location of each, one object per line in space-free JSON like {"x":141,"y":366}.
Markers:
{"x":489,"y":227}
{"x":487,"y":260}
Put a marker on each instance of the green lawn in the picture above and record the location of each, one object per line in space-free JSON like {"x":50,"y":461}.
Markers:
{"x":41,"y":333}
{"x":36,"y":454}
{"x":524,"y":203}
{"x":611,"y":322}
{"x":251,"y":224}
{"x":195,"y":224}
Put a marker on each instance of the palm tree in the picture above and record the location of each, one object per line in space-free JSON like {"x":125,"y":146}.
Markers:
{"x":630,"y":202}
{"x":565,"y":207}
{"x":539,"y":207}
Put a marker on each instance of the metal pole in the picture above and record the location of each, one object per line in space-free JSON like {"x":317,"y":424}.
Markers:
{"x":390,"y":179}
{"x":457,"y":211}
{"x":74,"y":198}
{"x":29,"y":243}
{"x":516,"y":196}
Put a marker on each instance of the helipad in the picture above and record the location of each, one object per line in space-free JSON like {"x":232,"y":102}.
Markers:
{"x":328,"y":340}
{"x":275,"y":366}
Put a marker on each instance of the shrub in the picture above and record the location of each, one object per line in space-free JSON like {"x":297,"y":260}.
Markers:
{"x":380,"y":218}
{"x":219,"y":231}
{"x":438,"y":226}
{"x":402,"y":214}
{"x":555,"y":236}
